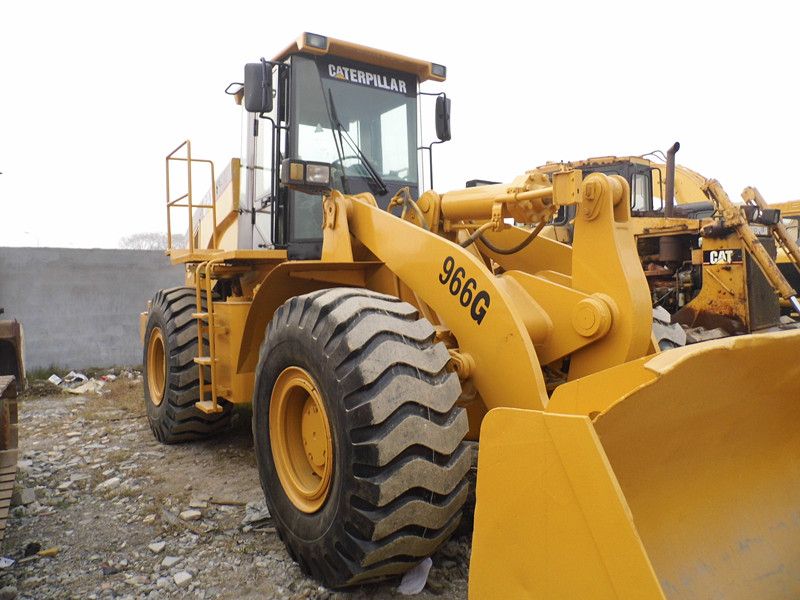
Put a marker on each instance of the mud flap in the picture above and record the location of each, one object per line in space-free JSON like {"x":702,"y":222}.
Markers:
{"x":684,"y":483}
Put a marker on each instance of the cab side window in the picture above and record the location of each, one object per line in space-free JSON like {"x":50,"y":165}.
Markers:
{"x":641,"y":192}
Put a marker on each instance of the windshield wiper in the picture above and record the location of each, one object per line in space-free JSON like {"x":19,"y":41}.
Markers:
{"x":371,"y":171}
{"x":336,"y":142}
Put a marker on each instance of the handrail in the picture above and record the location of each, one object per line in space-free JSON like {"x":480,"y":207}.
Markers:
{"x":174,"y":202}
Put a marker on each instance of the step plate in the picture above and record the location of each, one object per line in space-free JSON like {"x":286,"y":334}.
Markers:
{"x":207,"y":406}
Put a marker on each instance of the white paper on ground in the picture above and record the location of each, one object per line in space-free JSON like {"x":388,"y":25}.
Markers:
{"x":93,"y":385}
{"x":414,"y":581}
{"x":72,"y":376}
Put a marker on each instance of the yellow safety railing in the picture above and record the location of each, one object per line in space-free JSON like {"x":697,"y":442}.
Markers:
{"x":187,"y":197}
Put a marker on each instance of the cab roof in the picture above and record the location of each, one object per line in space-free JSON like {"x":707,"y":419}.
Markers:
{"x":312,"y":43}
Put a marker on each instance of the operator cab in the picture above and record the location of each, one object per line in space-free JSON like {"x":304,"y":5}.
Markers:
{"x":333,"y":103}
{"x":640,"y":178}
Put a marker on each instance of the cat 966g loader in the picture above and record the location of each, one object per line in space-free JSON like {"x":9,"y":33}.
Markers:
{"x":375,"y":328}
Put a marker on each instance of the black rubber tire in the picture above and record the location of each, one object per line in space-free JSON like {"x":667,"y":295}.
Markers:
{"x":176,"y":419}
{"x":400,"y":464}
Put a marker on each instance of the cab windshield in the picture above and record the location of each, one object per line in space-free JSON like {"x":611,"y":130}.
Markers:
{"x":375,"y":109}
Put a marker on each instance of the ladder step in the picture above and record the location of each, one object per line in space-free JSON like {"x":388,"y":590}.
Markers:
{"x":200,"y":315}
{"x":207,"y":406}
{"x":203,"y":360}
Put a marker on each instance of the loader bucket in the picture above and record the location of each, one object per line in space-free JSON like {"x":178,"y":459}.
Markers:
{"x":683,"y":483}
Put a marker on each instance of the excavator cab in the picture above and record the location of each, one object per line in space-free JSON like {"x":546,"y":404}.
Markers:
{"x":328,"y":102}
{"x":642,"y":178}
{"x":647,"y":182}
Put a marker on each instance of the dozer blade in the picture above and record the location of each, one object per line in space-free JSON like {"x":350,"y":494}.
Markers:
{"x":680,"y":479}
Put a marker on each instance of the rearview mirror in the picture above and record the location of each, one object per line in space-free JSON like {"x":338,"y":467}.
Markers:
{"x":443,"y":118}
{"x":258,"y":87}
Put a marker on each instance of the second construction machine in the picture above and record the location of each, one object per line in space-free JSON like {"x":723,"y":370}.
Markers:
{"x":375,"y":328}
{"x":709,"y":262}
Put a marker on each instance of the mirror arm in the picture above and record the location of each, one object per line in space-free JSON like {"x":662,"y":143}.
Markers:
{"x":236,"y":91}
{"x":263,"y":115}
{"x":429,"y":148}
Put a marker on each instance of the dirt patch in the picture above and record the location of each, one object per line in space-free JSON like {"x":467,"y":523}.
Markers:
{"x":110,"y":498}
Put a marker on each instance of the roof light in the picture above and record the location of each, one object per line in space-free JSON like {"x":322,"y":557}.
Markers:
{"x":316,"y":41}
{"x":438,"y":70}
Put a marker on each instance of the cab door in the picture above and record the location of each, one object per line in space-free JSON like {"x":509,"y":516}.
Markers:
{"x":263,"y":138}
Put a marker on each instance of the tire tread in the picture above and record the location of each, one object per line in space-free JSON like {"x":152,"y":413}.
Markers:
{"x":180,"y":421}
{"x":403,"y":424}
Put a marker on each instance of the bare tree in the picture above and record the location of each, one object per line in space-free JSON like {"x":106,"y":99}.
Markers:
{"x":151,"y":241}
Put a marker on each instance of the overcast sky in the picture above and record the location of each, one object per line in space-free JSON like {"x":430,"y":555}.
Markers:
{"x":94,"y":94}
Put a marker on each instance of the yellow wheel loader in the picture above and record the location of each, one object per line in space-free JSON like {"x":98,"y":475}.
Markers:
{"x":375,"y":329}
{"x":710,"y":263}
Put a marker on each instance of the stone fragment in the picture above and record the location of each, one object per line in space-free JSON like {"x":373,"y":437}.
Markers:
{"x":170,"y":561}
{"x":157,"y":547}
{"x":23,"y":497}
{"x":191,"y":515}
{"x":255,"y":512}
{"x":108,"y":484}
{"x":182,"y":578}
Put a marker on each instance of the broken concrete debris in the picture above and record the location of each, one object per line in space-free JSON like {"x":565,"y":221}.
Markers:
{"x":80,"y":384}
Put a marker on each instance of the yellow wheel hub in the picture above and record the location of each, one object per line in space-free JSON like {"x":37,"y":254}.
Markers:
{"x":300,"y":435}
{"x":156,"y":366}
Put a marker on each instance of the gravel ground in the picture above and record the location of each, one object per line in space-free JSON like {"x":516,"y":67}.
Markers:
{"x":131,"y":518}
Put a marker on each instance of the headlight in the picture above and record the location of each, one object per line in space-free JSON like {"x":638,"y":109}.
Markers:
{"x":318,"y":173}
{"x":306,"y":176}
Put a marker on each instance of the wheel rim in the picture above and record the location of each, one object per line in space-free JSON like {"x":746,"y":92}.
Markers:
{"x":300,"y":436}
{"x":156,"y":366}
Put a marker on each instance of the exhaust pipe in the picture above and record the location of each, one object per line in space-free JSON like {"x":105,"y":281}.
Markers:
{"x":669,"y":201}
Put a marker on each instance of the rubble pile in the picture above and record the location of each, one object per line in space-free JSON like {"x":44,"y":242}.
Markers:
{"x":79,"y":384}
{"x":103,"y":511}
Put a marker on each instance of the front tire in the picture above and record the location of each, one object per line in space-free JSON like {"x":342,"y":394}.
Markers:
{"x":390,"y":487}
{"x":171,"y":377}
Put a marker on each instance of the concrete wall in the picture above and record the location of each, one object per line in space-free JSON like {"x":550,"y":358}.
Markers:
{"x":80,"y":308}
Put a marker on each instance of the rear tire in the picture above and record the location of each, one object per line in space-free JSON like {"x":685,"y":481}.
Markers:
{"x":397,"y":481}
{"x":171,"y":390}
